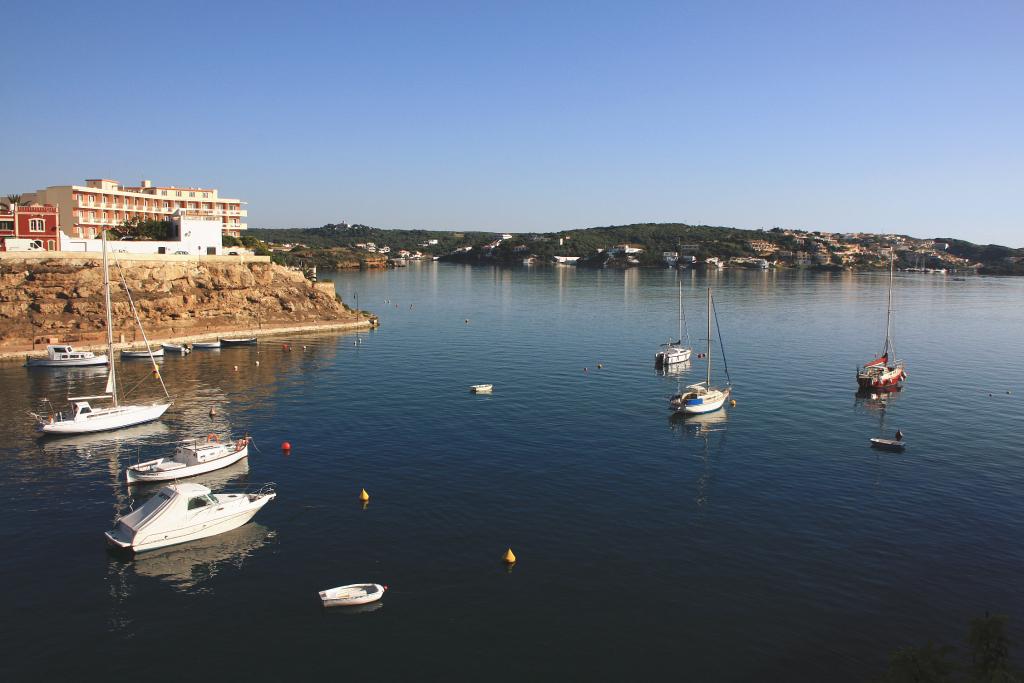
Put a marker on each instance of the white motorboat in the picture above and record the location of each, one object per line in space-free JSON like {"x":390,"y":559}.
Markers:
{"x":82,"y":417}
{"x":179,"y":513}
{"x":673,"y":352}
{"x":206,"y":345}
{"x":352,"y":594}
{"x":481,"y":388}
{"x":702,"y":397}
{"x":180,"y":349}
{"x":190,"y":459}
{"x":147,"y":353}
{"x":64,"y":356}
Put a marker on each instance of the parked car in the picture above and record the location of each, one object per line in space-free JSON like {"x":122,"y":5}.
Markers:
{"x":181,"y":253}
{"x":232,"y":253}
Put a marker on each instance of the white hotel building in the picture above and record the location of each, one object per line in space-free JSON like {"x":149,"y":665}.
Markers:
{"x":101,"y":203}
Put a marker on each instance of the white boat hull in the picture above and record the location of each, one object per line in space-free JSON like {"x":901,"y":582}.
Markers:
{"x":104,"y":419}
{"x":193,"y":532}
{"x":68,"y":363}
{"x":156,"y":353}
{"x":671,"y":357}
{"x":151,"y":472}
{"x":206,"y":345}
{"x":352,"y":595}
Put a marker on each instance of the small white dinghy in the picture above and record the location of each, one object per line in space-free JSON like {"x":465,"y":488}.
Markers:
{"x":352,"y":594}
{"x":180,"y":349}
{"x":481,"y":388}
{"x":888,"y":445}
{"x":156,"y":353}
{"x":206,"y":345}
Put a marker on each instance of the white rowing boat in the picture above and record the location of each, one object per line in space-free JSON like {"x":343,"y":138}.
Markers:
{"x":481,"y":388}
{"x":352,"y":594}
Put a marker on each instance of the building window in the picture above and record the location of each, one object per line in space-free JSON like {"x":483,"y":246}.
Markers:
{"x":37,"y":225}
{"x":6,"y":226}
{"x":163,"y":192}
{"x":191,"y":194}
{"x":178,"y":193}
{"x":51,"y":245}
{"x":206,"y":195}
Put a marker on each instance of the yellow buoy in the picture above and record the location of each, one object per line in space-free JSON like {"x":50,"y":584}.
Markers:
{"x":364,"y":496}
{"x":733,"y":403}
{"x":156,"y":374}
{"x":510,"y":557}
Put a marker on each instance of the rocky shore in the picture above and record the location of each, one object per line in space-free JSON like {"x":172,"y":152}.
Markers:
{"x":61,"y":301}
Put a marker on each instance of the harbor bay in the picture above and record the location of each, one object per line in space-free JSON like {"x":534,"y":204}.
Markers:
{"x":766,"y":541}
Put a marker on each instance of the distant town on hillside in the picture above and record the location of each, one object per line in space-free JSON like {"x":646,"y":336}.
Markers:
{"x":643,"y":244}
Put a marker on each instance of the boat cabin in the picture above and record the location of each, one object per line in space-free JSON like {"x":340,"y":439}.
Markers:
{"x":65,"y":352}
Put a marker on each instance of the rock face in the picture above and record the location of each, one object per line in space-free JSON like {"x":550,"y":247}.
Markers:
{"x":64,"y":298}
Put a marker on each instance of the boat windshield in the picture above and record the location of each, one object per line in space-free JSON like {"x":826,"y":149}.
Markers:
{"x":201,"y":501}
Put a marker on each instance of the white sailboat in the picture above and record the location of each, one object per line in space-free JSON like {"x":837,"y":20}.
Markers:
{"x":674,"y":352}
{"x":702,"y":397}
{"x":82,"y":417}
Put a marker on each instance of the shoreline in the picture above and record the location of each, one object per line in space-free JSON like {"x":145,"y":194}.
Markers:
{"x":209,"y":335}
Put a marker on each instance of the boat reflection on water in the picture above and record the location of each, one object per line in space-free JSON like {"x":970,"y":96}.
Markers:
{"x":673,"y":370}
{"x":356,"y":609}
{"x":701,"y":427}
{"x":105,"y":443}
{"x":187,"y":566}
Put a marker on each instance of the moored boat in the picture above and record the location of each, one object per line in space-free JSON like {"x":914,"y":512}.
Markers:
{"x":238,"y":341}
{"x":64,"y":356}
{"x":181,"y":349}
{"x":206,"y":345}
{"x":179,"y":513}
{"x":673,"y":352}
{"x":481,"y":388}
{"x":148,"y":353}
{"x":702,"y":397}
{"x":888,"y":444}
{"x":83,"y":418}
{"x":886,"y":371}
{"x":352,"y":594}
{"x":189,"y":459}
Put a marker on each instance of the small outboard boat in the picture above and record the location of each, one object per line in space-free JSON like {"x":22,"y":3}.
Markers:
{"x":190,"y":458}
{"x":482,"y":388}
{"x":185,"y":512}
{"x":156,"y":353}
{"x":889,"y":444}
{"x":181,"y":349}
{"x":352,"y":594}
{"x":240,"y":341}
{"x":206,"y":345}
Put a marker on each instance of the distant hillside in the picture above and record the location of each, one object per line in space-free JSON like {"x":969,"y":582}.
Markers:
{"x":786,"y":247}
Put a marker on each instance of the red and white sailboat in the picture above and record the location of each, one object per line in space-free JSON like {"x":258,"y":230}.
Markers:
{"x":886,"y":371}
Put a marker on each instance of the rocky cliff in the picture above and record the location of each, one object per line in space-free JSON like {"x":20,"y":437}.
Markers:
{"x":63,"y":299}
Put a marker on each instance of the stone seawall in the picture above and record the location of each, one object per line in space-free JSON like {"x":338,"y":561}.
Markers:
{"x":61,"y":299}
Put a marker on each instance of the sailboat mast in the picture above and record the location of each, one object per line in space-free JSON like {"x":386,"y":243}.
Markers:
{"x":681,"y":310}
{"x":111,"y":379}
{"x":888,"y":306}
{"x":709,"y":337}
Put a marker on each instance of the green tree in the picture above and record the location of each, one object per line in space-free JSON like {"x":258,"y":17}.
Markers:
{"x":140,"y":229}
{"x":989,"y":648}
{"x":928,"y":664}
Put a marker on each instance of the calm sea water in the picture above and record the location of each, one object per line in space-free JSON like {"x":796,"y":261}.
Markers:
{"x":766,"y":542}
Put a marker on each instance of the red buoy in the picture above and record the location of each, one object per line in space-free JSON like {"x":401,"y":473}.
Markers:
{"x":286,"y":446}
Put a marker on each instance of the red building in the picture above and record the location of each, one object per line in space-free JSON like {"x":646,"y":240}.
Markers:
{"x":29,"y":228}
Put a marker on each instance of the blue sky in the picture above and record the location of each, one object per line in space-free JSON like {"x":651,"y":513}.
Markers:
{"x":525,"y":116}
